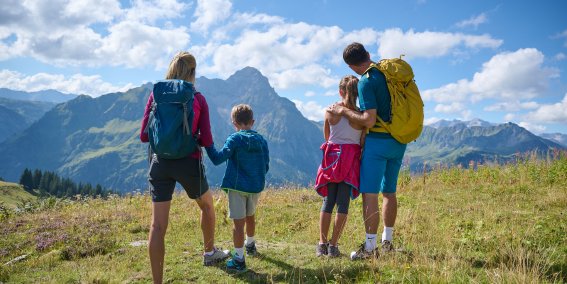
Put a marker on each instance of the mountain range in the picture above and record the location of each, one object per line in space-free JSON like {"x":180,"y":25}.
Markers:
{"x":96,"y":140}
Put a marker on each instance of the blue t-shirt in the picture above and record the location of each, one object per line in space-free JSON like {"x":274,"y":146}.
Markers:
{"x":373,"y":94}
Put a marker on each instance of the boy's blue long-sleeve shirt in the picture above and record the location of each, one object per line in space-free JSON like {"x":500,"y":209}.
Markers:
{"x":248,"y":161}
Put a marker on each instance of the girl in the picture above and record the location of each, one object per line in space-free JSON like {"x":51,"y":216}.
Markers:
{"x":338,"y":176}
{"x":187,"y":171}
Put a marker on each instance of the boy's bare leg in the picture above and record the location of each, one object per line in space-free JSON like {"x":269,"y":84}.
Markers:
{"x":250,"y":226}
{"x":238,"y":232}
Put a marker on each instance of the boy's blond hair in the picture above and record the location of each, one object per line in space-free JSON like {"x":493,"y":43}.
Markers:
{"x":242,"y":114}
{"x":182,"y":67}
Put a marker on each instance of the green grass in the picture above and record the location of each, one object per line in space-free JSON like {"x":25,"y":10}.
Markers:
{"x":502,"y":224}
{"x":12,"y":195}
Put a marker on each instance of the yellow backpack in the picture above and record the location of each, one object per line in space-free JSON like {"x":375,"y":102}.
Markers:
{"x":407,"y":106}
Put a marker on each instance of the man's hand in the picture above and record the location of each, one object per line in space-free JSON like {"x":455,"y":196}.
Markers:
{"x":337,"y":109}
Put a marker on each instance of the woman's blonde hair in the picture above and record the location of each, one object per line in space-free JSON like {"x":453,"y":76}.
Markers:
{"x":349,"y":87}
{"x":182,"y":67}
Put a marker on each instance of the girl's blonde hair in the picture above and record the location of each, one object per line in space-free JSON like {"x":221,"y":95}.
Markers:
{"x":349,"y":87}
{"x":182,"y":67}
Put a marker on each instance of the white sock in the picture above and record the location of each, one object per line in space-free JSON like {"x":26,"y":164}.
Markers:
{"x":210,"y":252}
{"x":370,"y":242}
{"x":249,"y":240}
{"x":387,"y":234}
{"x":239,"y":252}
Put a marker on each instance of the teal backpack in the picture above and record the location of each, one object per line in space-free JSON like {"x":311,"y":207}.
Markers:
{"x":171,"y":118}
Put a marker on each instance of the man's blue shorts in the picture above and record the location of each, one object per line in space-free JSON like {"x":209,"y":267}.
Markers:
{"x":380,"y":165}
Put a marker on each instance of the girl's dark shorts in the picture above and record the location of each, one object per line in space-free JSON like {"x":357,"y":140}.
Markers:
{"x":164,"y":173}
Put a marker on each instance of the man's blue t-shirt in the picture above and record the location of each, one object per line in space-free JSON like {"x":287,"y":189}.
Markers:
{"x":373,"y":94}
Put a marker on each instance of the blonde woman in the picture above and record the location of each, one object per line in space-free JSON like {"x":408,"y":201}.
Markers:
{"x":187,"y":170}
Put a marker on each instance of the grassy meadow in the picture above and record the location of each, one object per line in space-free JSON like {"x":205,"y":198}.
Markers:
{"x":490,"y":224}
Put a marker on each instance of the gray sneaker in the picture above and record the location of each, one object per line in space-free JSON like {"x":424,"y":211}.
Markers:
{"x":216,"y":257}
{"x":334,"y":251}
{"x":361,"y":253}
{"x":322,"y":249}
{"x":387,"y":246}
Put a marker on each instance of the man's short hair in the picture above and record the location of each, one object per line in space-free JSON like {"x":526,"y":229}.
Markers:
{"x":355,"y":54}
{"x":242,"y":114}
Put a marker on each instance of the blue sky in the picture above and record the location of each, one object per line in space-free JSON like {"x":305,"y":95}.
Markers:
{"x":495,"y":60}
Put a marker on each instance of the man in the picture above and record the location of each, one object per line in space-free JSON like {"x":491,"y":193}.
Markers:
{"x":382,"y":154}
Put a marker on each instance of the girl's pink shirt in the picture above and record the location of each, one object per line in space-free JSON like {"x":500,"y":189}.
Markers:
{"x":201,"y":123}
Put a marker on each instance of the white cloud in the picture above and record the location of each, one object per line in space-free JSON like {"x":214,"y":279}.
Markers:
{"x":473,"y":21}
{"x":506,"y":76}
{"x":394,"y":42}
{"x":93,"y":32}
{"x":331,"y":93}
{"x":308,"y":75}
{"x":310,"y":94}
{"x":450,"y":108}
{"x":560,"y":56}
{"x":431,"y":120}
{"x":550,"y":113}
{"x":135,"y":45}
{"x":512,"y":106}
{"x":209,"y":13}
{"x":509,"y":117}
{"x":311,"y":110}
{"x":535,"y":128}
{"x":149,"y":12}
{"x":75,"y":84}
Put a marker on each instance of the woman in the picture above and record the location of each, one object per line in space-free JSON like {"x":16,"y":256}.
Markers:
{"x":187,"y":171}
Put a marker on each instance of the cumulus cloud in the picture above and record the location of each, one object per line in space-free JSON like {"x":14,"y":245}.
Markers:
{"x":75,"y":84}
{"x":532,"y":127}
{"x":308,"y":75}
{"x":560,"y":56}
{"x":394,"y":42}
{"x":473,"y":21}
{"x":512,"y":106}
{"x":550,"y":113}
{"x":68,"y":33}
{"x":506,"y":76}
{"x":450,"y":108}
{"x":431,"y":120}
{"x":311,"y":110}
{"x":209,"y":13}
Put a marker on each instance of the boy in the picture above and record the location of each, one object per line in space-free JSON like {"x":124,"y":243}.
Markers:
{"x":248,"y":160}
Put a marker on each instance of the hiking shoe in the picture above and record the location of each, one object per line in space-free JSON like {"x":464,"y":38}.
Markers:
{"x":322,"y":249}
{"x":236,"y":265}
{"x":251,"y":249}
{"x":216,"y":257}
{"x":362,"y":253}
{"x":334,"y":251}
{"x":387,"y":246}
